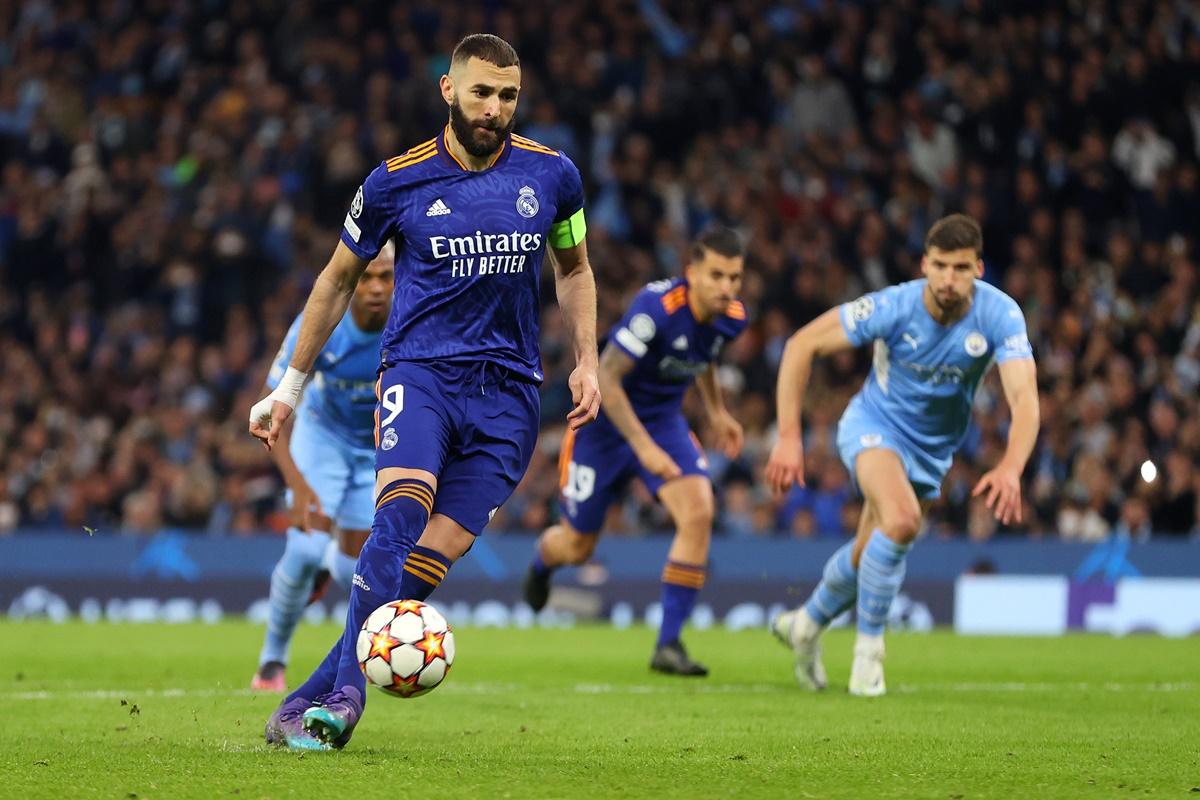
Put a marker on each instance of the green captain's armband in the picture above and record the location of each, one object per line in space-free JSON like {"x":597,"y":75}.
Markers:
{"x":569,"y":232}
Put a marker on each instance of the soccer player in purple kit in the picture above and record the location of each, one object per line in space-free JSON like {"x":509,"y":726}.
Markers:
{"x":472,"y":212}
{"x":669,"y":338}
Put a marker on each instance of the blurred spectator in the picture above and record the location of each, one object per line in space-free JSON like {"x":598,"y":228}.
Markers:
{"x":172,"y":179}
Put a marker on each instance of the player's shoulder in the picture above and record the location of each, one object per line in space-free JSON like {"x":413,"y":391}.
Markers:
{"x":994,"y":303}
{"x":665,"y":297}
{"x":413,"y":162}
{"x":525,"y":144}
{"x":734,"y":319}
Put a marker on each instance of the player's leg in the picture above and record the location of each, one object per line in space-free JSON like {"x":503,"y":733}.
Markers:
{"x":880,"y":557}
{"x":689,"y":500}
{"x":292,"y":579}
{"x":836,"y":592}
{"x":593,"y":465}
{"x":413,"y":443}
{"x":354,"y":518}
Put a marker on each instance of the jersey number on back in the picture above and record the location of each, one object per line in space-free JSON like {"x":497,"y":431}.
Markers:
{"x":581,"y":482}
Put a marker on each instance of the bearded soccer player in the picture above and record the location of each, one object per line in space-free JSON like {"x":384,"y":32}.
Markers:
{"x":328,"y":463}
{"x":472,"y":212}
{"x":934,"y":340}
{"x":669,"y":338}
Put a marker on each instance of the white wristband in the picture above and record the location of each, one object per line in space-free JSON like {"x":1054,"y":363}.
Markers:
{"x":289,"y":388}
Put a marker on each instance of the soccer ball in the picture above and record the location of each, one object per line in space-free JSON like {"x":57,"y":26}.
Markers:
{"x":405,"y":648}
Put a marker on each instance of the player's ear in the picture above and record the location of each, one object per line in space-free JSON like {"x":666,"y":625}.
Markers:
{"x":979,"y":268}
{"x":446,"y":84}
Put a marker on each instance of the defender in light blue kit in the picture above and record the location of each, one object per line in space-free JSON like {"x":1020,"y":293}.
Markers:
{"x":934,"y":340}
{"x":328,"y":463}
{"x":670,"y":338}
{"x":472,"y":211}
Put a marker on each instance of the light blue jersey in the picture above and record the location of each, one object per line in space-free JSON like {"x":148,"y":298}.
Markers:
{"x":918,"y":396}
{"x":340,"y":395}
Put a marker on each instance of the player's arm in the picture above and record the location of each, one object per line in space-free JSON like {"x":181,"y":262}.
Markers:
{"x":823,"y":336}
{"x":614,"y":366}
{"x":728,"y":430}
{"x":327,"y":304}
{"x":1003,"y":483}
{"x":575,"y":286}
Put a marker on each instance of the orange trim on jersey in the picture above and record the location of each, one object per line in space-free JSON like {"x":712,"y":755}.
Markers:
{"x":532,"y":146}
{"x":564,"y":457}
{"x":736,"y":310}
{"x":413,"y":151}
{"x":675,"y":299}
{"x":465,"y":168}
{"x":408,"y":162}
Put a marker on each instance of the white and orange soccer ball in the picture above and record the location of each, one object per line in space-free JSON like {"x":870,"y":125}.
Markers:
{"x":405,"y":648}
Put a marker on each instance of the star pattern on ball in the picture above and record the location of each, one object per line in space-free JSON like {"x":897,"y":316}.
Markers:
{"x":432,"y":645}
{"x":408,"y":607}
{"x":382,"y":644}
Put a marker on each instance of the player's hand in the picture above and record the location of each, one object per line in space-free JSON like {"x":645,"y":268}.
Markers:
{"x":656,"y":461}
{"x":729,"y":434}
{"x":585,"y":394}
{"x":266,"y":420}
{"x":786,"y":464}
{"x":306,"y":506}
{"x":1002,"y":486}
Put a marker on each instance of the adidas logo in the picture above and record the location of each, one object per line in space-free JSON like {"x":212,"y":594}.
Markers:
{"x":438,"y":209}
{"x":680,"y":343}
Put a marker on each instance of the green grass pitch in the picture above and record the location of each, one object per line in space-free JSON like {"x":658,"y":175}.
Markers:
{"x":160,"y":711}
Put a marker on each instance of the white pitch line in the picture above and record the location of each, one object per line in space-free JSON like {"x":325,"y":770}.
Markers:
{"x":611,"y":689}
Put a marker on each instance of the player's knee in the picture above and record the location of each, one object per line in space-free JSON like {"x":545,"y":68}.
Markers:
{"x":579,"y":547}
{"x":696,"y":518}
{"x":901,"y":523}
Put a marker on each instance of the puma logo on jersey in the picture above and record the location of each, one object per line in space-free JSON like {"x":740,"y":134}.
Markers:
{"x":912,"y":340}
{"x":438,"y":209}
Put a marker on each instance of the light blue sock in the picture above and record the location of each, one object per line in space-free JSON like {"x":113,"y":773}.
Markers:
{"x":880,"y":573}
{"x":837,"y":589}
{"x":291,"y":584}
{"x":340,"y":565}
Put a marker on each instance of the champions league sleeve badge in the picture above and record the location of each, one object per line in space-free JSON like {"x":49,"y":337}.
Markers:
{"x":527,"y":203}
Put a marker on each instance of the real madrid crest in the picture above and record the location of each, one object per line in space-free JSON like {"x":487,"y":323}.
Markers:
{"x":527,"y":203}
{"x":975,"y":344}
{"x":357,"y":205}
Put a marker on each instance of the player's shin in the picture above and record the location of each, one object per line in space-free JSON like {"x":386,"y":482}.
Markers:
{"x":401,"y":514}
{"x":291,"y":584}
{"x":680,"y":584}
{"x":424,"y":570}
{"x":880,"y":574}
{"x":837,"y":590}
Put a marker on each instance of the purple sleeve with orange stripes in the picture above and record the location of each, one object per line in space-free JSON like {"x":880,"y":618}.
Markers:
{"x":371,"y":220}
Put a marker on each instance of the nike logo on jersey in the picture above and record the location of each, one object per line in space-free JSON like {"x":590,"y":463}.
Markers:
{"x":912,"y":340}
{"x":680,"y":344}
{"x":438,"y":209}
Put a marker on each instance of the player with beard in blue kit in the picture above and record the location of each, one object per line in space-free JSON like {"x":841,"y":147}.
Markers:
{"x":934,"y":338}
{"x":472,"y":212}
{"x":669,"y":339}
{"x":328,"y":463}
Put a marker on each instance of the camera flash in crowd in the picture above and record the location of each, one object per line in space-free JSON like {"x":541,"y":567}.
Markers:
{"x":1149,"y":471}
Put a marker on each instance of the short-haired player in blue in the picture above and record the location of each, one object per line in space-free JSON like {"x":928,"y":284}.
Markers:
{"x":934,"y":340}
{"x":669,"y":338}
{"x":327,"y":459}
{"x":472,"y":211}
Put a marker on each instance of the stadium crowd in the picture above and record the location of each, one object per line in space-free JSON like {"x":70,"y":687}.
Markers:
{"x":173,"y":175}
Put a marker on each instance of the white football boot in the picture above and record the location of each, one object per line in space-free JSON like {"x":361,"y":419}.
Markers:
{"x":866,"y":674}
{"x":802,"y":634}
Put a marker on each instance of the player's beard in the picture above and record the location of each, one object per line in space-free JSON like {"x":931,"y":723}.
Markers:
{"x":471,"y":138}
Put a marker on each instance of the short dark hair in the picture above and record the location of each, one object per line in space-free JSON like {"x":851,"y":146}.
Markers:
{"x":722,"y":240}
{"x":955,"y":232}
{"x":485,"y":47}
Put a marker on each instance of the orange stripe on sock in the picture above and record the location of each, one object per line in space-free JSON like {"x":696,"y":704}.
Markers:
{"x":425,"y":576}
{"x":426,"y":562}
